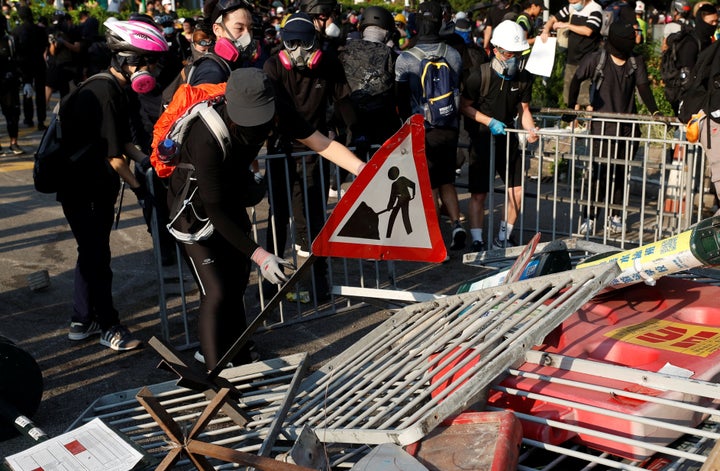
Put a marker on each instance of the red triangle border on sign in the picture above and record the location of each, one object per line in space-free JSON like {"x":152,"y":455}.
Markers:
{"x":322,"y":246}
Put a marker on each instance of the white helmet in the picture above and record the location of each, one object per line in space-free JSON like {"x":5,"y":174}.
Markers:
{"x":639,"y":7}
{"x":510,"y":36}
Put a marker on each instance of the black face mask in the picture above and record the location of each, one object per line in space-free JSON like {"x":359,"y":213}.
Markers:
{"x":252,"y":136}
{"x":703,"y":30}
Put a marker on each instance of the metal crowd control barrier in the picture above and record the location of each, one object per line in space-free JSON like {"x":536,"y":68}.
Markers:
{"x":662,"y":180}
{"x":662,"y":183}
{"x":268,"y":387}
{"x":434,"y":359}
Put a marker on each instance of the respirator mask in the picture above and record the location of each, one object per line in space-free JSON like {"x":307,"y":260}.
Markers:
{"x":300,"y":54}
{"x":506,"y":67}
{"x":141,"y":81}
{"x":243,"y":47}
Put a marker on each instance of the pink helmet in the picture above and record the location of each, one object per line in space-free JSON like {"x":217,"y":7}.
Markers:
{"x":134,"y":37}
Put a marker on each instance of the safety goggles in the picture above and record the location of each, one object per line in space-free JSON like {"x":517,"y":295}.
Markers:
{"x":504,"y":53}
{"x":204,"y":42}
{"x":140,"y":61}
{"x":296,"y":43}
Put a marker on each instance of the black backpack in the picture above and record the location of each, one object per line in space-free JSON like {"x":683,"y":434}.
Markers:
{"x":674,"y":76}
{"x":599,"y":74}
{"x":55,"y":156}
{"x":702,"y":91}
{"x":7,"y":58}
{"x":370,"y":72}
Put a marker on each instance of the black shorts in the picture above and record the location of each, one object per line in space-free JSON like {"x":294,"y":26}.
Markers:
{"x":440,"y":151}
{"x":479,"y":177}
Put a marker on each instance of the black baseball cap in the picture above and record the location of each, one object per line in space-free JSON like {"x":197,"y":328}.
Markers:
{"x":250,"y":97}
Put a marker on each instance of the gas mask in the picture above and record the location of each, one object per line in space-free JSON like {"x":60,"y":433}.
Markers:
{"x":142,"y":82}
{"x":243,"y":47}
{"x":505,"y":68}
{"x":299,"y":55}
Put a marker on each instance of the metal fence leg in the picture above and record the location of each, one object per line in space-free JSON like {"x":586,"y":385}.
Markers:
{"x":162,"y":291}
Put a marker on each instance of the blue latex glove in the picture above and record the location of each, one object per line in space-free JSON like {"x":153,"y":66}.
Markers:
{"x":496,"y":127}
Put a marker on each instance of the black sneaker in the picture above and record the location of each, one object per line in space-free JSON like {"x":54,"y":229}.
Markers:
{"x":82,"y":330}
{"x":119,"y":338}
{"x":16,"y":149}
{"x":478,"y":246}
{"x":458,"y":237}
{"x":502,"y":244}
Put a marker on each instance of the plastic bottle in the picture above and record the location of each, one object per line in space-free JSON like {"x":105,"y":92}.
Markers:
{"x":167,"y":150}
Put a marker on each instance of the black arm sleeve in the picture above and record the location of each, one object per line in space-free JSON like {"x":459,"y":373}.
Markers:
{"x":647,"y":97}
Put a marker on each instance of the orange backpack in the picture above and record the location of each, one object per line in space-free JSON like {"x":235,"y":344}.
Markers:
{"x":188,"y":103}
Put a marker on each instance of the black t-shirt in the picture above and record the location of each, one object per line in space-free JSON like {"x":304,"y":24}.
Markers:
{"x":218,"y":178}
{"x":502,"y":101}
{"x":100,"y":118}
{"x":302,"y":96}
{"x":617,"y":91}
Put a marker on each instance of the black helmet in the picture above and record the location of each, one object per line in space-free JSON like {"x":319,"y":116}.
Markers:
{"x":377,"y":16}
{"x":318,"y":7}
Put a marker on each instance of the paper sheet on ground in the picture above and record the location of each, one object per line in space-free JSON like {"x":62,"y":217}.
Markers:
{"x":542,"y":57}
{"x":92,"y":447}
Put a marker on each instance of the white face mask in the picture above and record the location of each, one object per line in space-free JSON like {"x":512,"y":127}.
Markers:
{"x":332,"y":31}
{"x":577,"y":6}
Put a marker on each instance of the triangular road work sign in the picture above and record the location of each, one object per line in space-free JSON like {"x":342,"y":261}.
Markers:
{"x":388,"y":212}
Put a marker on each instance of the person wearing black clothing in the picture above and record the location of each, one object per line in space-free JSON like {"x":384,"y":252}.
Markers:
{"x":9,"y":82}
{"x":102,"y":121}
{"x":31,"y":43}
{"x":702,"y":35}
{"x":623,"y":72}
{"x":64,"y":43}
{"x":307,"y":81}
{"x":488,"y":110}
{"x":221,"y":263}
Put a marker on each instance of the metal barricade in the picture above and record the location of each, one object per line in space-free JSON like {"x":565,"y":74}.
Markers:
{"x":660,"y":186}
{"x":657,"y":185}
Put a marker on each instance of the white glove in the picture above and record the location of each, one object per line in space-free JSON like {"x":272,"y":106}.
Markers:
{"x":271,"y":266}
{"x":27,"y":90}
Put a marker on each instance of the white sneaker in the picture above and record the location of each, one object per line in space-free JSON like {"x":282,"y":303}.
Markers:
{"x":333,"y":193}
{"x":587,"y":227}
{"x":615,"y":224}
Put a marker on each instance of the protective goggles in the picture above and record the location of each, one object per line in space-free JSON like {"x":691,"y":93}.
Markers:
{"x":204,"y":42}
{"x":296,"y":43}
{"x":504,"y":53}
{"x":140,"y":61}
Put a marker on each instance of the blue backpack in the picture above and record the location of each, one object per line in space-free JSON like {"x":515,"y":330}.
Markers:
{"x":440,"y":90}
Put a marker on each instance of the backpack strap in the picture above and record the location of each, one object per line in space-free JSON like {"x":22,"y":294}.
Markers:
{"x":599,"y":75}
{"x":485,"y":77}
{"x":217,"y":127}
{"x":417,"y":53}
{"x":187,"y":76}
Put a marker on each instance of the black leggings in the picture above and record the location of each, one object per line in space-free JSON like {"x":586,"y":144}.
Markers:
{"x":222,"y":273}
